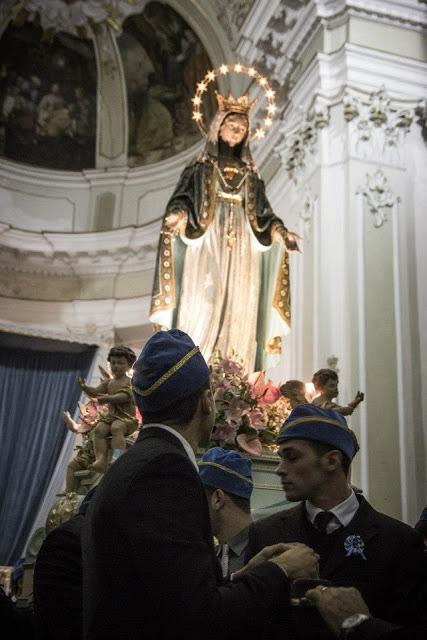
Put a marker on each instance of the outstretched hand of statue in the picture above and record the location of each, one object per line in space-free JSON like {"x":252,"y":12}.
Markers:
{"x":82,"y":384}
{"x":289,"y":238}
{"x":291,"y":241}
{"x":358,"y":398}
{"x":175,"y":220}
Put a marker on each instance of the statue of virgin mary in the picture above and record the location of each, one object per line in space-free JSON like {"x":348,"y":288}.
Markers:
{"x":222,"y":272}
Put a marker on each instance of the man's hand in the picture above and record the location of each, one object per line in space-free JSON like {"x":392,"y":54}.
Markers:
{"x":336,"y":604}
{"x":262,"y":556}
{"x":298,"y":561}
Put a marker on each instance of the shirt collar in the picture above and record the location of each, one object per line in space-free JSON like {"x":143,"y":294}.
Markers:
{"x":240,"y":541}
{"x":188,"y":448}
{"x":344,"y":511}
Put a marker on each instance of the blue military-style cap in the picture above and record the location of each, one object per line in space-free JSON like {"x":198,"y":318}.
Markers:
{"x":227,"y":470}
{"x":307,"y":422}
{"x":423,"y":516}
{"x":169,"y":368}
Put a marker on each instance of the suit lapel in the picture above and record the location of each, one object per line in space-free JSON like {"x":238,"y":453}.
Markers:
{"x":362,"y":526}
{"x":293,"y":525}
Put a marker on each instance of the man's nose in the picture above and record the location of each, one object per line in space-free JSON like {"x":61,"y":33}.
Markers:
{"x":280,"y":470}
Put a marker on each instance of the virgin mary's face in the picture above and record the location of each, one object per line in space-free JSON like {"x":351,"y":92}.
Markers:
{"x":233,"y":129}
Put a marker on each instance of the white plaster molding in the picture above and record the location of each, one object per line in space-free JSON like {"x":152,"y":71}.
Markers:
{"x":126,"y":250}
{"x":361,"y":335}
{"x":90,"y":334}
{"x":401,"y":396}
{"x":88,"y":321}
{"x":307,"y":212}
{"x":409,"y":13}
{"x":378,"y":125}
{"x":379,"y":197}
{"x":231,"y":16}
{"x":298,"y":145}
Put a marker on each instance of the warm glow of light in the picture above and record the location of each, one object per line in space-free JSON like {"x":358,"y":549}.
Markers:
{"x":201,"y":87}
{"x":310,"y":391}
{"x":210,"y":75}
{"x":223,"y":69}
{"x":238,"y":68}
{"x":196,"y":100}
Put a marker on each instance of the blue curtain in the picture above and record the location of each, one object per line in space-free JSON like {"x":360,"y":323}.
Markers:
{"x":38,"y":381}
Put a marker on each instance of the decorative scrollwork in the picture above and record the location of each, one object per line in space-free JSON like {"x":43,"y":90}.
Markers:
{"x":379,"y":197}
{"x":376,"y":120}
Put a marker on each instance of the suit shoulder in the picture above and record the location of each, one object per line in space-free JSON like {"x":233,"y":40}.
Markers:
{"x":275,"y":519}
{"x":392,"y":525}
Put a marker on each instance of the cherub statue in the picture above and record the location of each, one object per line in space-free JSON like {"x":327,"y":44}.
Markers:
{"x":294,"y":392}
{"x":325,"y":383}
{"x":90,"y":414}
{"x":119,"y":421}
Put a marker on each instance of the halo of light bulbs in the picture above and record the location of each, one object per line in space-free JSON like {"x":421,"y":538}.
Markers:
{"x":223,"y":70}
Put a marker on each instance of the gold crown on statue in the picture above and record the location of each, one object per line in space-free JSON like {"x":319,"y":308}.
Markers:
{"x":237,"y":105}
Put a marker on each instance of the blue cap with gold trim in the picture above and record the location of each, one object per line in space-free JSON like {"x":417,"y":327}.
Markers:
{"x":308,"y":422}
{"x":227,"y":470}
{"x":169,"y":368}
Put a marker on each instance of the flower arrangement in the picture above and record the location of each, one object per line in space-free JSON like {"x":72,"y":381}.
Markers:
{"x":250,"y":410}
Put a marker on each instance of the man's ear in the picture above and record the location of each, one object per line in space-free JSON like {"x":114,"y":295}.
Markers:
{"x":333,"y":460}
{"x":217,"y":499}
{"x":207,"y":401}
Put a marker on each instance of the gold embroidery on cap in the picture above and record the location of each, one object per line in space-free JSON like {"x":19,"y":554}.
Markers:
{"x":167,"y":375}
{"x":223,"y":468}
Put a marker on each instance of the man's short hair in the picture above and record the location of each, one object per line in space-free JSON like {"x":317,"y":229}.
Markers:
{"x":180,"y":412}
{"x":244,"y":504}
{"x":290,"y":387}
{"x":122,"y":352}
{"x":322,"y":447}
{"x":321,"y":377}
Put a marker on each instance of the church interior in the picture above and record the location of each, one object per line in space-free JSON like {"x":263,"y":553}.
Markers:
{"x":251,"y":172}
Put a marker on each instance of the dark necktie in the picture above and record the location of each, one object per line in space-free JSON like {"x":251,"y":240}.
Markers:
{"x":322,"y":519}
{"x":224,"y":559}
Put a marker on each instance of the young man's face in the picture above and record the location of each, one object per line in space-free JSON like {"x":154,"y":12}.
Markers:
{"x":301,"y":471}
{"x":119,"y":366}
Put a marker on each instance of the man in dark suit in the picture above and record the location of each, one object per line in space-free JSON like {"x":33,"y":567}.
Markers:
{"x":358,"y":546}
{"x":58,"y":583}
{"x":149,"y":566}
{"x":58,"y":580}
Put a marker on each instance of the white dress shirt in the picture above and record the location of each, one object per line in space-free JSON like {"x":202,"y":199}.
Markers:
{"x":188,"y":448}
{"x":344,"y":512}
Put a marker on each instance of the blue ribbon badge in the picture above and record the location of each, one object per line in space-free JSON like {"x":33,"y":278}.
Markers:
{"x":354,"y":546}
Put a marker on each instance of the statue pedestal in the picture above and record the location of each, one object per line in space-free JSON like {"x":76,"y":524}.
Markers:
{"x":268,"y":496}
